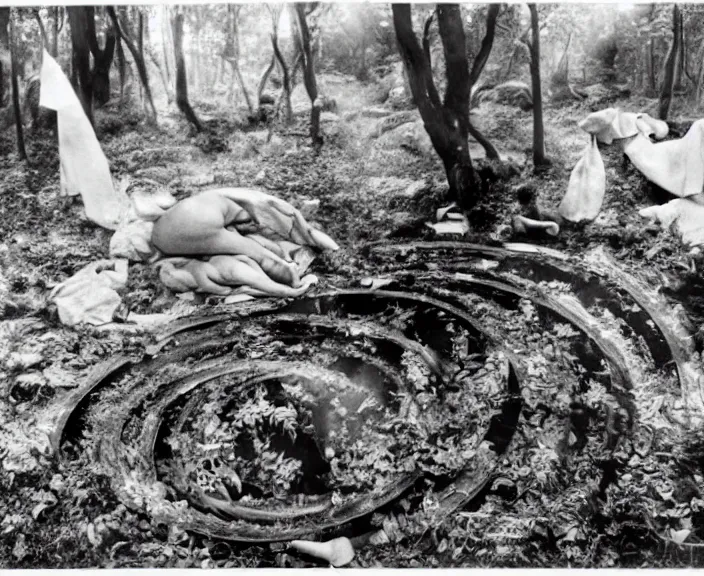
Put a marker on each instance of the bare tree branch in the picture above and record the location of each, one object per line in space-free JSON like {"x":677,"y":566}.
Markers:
{"x":42,"y":30}
{"x":136,"y":55}
{"x":487,"y":43}
{"x":426,"y":37}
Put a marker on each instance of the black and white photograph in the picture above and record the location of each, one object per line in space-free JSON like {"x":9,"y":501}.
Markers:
{"x":351,"y":285}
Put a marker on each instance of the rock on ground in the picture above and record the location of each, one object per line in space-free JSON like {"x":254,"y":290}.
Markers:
{"x":394,"y":120}
{"x":513,"y":93}
{"x":413,"y":137}
{"x":399,"y":99}
{"x":390,"y":186}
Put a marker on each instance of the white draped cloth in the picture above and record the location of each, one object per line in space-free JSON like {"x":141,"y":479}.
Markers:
{"x":84,"y":168}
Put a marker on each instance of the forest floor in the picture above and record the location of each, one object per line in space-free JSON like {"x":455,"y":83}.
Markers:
{"x":65,"y":514}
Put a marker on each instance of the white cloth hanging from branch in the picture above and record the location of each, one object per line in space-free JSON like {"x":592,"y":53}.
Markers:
{"x":586,"y":188}
{"x":84,"y":167}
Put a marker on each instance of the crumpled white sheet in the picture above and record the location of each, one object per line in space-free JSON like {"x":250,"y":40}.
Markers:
{"x":133,"y":237}
{"x":89,"y":296}
{"x":676,"y":165}
{"x":587,"y":185}
{"x":611,"y":124}
{"x":685,"y":215}
{"x":84,"y":168}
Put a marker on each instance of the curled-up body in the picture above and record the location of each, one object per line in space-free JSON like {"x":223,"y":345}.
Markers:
{"x":239,"y":222}
{"x":224,"y":275}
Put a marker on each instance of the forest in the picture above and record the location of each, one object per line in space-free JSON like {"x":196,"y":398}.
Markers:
{"x":368,"y":285}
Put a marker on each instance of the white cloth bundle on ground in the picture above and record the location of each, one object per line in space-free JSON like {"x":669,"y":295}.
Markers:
{"x":84,"y":168}
{"x":89,"y":296}
{"x":682,"y":214}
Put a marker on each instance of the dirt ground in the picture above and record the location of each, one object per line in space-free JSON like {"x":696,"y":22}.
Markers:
{"x":636,"y":503}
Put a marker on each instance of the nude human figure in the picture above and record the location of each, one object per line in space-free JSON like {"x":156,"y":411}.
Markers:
{"x":208,"y":224}
{"x":221,"y":273}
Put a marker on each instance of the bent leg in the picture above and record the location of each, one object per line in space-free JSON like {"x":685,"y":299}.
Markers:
{"x":208,"y":279}
{"x":243,"y":271}
{"x":175,"y":277}
{"x":229,"y":242}
{"x":270,"y":245}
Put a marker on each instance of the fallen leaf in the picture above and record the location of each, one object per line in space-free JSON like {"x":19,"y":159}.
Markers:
{"x":679,"y":536}
{"x":19,"y":551}
{"x":92,"y":538}
{"x":571,"y":534}
{"x":39,"y":508}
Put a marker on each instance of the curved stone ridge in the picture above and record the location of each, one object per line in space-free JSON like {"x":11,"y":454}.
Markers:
{"x":453,"y":321}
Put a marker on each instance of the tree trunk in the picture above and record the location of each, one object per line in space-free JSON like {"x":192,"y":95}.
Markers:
{"x":561,"y":76}
{"x":539,"y":158}
{"x":682,"y":74}
{"x":520,"y":45}
{"x":642,"y":69}
{"x":16,"y":94}
{"x":447,"y":123}
{"x":491,"y":152}
{"x":456,"y":101}
{"x":140,"y":47}
{"x":477,"y":67}
{"x":296,"y":65}
{"x":264,"y":79}
{"x":237,"y":75}
{"x":426,"y":37}
{"x":231,"y":52}
{"x":121,"y":66}
{"x":102,"y":59}
{"x":303,"y":37}
{"x":651,"y":67}
{"x":196,"y":67}
{"x":671,"y":65}
{"x":487,"y":43}
{"x":700,"y":75}
{"x":181,"y":79}
{"x":74,"y":71}
{"x":123,"y":32}
{"x":162,"y":74}
{"x":4,"y":56}
{"x":286,"y":80}
{"x":42,"y":29}
{"x":56,"y":29}
{"x":166,"y":44}
{"x":78,"y":19}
